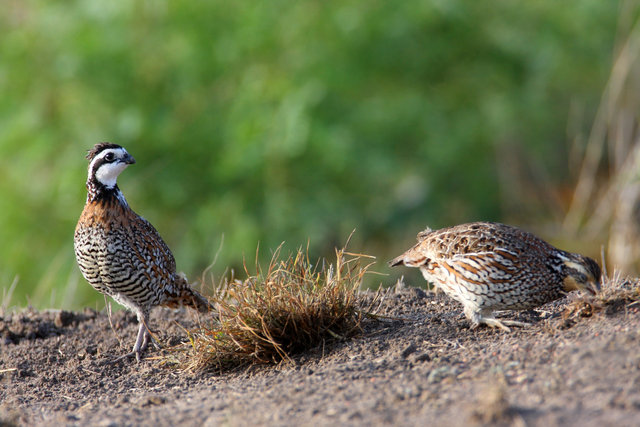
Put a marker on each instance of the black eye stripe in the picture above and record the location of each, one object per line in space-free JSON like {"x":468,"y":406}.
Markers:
{"x":100,"y":148}
{"x":98,"y":163}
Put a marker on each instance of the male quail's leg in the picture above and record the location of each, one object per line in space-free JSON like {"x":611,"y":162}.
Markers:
{"x":144,"y":336}
{"x":142,"y":340}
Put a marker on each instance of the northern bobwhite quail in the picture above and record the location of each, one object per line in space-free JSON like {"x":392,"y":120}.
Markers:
{"x":488,"y":266}
{"x":120,"y":253}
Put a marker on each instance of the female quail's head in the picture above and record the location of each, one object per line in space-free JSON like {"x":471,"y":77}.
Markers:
{"x":582,"y":273}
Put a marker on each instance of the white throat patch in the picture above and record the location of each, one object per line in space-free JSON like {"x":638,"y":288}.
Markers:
{"x":107,"y":174}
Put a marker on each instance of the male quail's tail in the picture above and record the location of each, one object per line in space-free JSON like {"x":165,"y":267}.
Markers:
{"x":199,"y":302}
{"x":202,"y":304}
{"x":188,"y":297}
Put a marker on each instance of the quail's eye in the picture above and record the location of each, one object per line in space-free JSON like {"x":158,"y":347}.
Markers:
{"x":108,"y":157}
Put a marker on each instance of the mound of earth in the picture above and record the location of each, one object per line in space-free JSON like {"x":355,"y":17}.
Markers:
{"x":423,"y":365}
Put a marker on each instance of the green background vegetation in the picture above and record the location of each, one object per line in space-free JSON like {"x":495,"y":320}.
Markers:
{"x":289,"y":121}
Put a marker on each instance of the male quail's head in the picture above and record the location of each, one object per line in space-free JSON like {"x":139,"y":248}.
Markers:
{"x":106,"y":162}
{"x":120,"y":253}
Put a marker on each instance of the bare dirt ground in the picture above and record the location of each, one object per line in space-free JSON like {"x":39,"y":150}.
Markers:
{"x":430,"y":369}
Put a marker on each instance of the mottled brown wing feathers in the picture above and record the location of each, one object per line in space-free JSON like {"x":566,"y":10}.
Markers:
{"x":147,"y":241}
{"x":481,"y":268}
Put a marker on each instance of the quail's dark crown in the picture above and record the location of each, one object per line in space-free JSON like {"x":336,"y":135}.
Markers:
{"x":593,"y":268}
{"x":98,"y":148}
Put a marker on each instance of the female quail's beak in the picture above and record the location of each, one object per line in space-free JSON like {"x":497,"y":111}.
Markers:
{"x":592,"y":287}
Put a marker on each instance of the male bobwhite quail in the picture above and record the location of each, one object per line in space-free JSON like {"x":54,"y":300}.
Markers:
{"x":120,"y":253}
{"x":488,"y":266}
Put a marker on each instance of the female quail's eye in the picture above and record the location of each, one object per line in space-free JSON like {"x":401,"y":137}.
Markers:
{"x":108,"y":157}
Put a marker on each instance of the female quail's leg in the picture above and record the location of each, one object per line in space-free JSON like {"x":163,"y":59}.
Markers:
{"x":478,"y":317}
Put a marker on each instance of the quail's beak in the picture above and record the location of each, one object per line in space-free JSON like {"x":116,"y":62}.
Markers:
{"x":128,"y":159}
{"x":592,"y":287}
{"x":584,"y":275}
{"x":589,"y":286}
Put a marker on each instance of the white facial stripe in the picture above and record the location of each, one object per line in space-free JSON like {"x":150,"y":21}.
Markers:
{"x":118,"y":153}
{"x":576,"y":266}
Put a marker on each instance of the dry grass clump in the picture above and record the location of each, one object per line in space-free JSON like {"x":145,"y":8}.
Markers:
{"x":291,"y":307}
{"x":617,"y":294}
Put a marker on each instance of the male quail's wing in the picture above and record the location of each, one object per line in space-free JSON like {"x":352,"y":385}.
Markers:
{"x":154,"y":249}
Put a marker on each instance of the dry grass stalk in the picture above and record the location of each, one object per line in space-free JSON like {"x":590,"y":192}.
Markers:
{"x":617,"y":294}
{"x":291,"y":307}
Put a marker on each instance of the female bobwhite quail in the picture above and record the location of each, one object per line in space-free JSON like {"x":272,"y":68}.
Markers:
{"x":488,"y":266}
{"x":120,"y":253}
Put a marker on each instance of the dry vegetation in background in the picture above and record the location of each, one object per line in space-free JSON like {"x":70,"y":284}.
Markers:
{"x":605,"y":206}
{"x":617,"y":294}
{"x":292,"y":306}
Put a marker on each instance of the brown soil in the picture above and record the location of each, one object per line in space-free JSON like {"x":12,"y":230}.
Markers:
{"x":430,"y":369}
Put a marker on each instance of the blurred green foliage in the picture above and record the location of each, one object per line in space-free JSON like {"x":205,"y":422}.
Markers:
{"x":281,"y":120}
